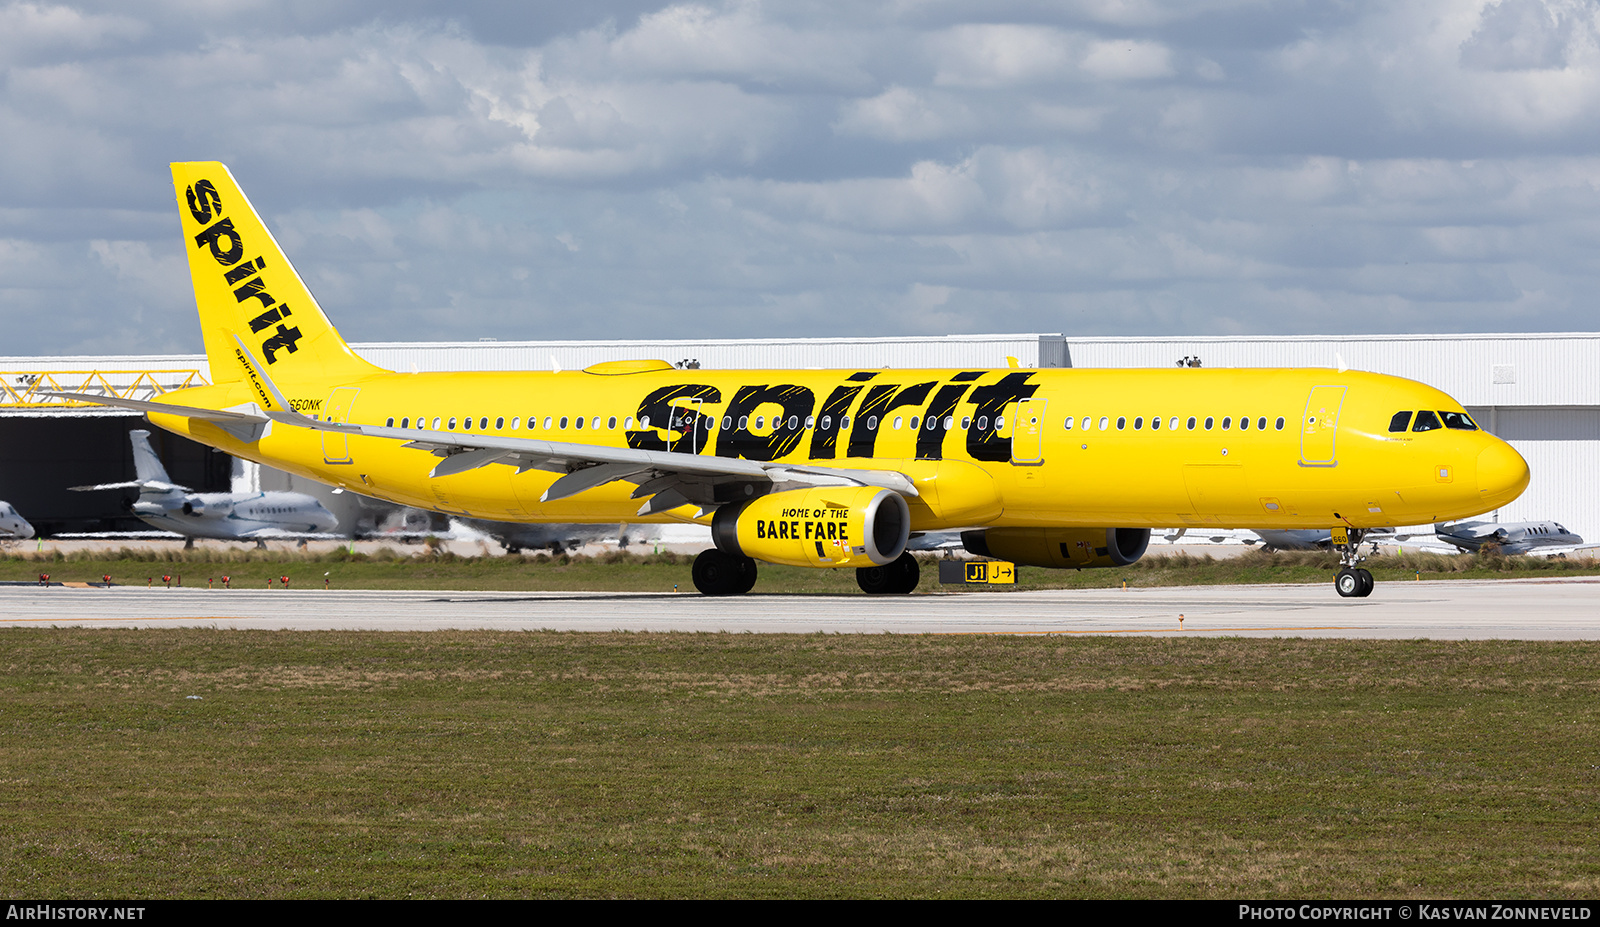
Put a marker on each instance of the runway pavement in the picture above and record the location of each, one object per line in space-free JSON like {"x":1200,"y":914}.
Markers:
{"x":1522,"y":609}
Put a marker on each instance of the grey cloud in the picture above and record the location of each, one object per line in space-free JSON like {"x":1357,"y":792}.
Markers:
{"x":738,"y":168}
{"x":1519,"y":34}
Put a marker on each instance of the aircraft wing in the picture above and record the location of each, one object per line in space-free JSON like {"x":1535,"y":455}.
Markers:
{"x":669,"y":479}
{"x":271,"y":534}
{"x":665,"y":479}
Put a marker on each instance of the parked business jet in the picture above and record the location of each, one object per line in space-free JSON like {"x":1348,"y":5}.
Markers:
{"x":515,"y":537}
{"x":817,"y":468}
{"x":1509,"y":537}
{"x":1311,"y":539}
{"x":13,"y":527}
{"x":228,"y":516}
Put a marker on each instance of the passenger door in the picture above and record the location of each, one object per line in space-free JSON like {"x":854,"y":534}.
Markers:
{"x":335,"y":446}
{"x":1319,"y":426}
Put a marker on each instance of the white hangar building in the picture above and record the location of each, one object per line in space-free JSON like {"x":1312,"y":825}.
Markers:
{"x":1541,"y":392}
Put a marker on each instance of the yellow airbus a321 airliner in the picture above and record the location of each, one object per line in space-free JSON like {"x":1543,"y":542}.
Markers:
{"x":817,"y":468}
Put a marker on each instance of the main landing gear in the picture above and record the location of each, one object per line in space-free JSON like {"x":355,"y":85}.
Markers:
{"x":897,"y":577}
{"x":717,"y":573}
{"x":1352,"y":581}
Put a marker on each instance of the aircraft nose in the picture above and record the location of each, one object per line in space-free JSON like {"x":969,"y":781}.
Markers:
{"x":1502,"y":474}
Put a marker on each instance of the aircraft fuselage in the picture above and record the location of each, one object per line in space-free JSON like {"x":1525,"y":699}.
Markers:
{"x":1272,"y":448}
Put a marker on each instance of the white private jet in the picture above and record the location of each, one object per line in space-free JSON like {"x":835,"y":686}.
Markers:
{"x":13,"y":527}
{"x":516,"y":538}
{"x":1315,"y":539}
{"x":1518,"y":537}
{"x":227,"y":516}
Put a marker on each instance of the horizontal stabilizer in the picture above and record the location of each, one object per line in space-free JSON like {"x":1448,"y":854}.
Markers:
{"x":143,"y":485}
{"x":163,"y":408}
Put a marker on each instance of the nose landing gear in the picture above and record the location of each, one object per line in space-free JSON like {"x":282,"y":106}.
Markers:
{"x":1352,"y":581}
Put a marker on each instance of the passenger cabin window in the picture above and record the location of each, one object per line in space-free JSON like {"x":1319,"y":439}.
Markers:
{"x":1459,"y":421}
{"x":1400,"y":422}
{"x":1426,"y":421}
{"x":1279,"y":425}
{"x":1191,"y":423}
{"x":1261,"y":423}
{"x":1067,"y":424}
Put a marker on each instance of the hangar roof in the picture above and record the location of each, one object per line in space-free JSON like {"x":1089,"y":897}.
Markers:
{"x":1504,"y":370}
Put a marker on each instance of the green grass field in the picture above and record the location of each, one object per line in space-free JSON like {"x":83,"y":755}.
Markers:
{"x":242,"y":764}
{"x":627,"y":572}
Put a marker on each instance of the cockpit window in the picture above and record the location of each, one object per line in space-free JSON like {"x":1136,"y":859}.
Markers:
{"x":1400,"y":422}
{"x":1459,"y":421}
{"x":1426,"y":421}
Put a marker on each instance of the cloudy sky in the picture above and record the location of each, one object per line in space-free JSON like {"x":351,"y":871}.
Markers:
{"x":640,"y":169}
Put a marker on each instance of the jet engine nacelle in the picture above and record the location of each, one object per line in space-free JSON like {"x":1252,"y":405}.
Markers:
{"x":836,"y":526}
{"x":1079,"y":548}
{"x":210,"y":506}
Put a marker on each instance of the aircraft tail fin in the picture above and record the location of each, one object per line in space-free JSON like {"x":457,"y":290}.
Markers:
{"x":244,"y":286}
{"x":146,"y":465}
